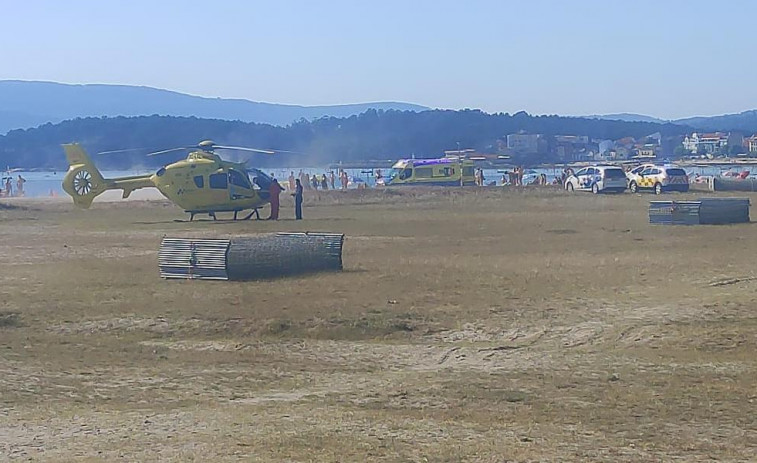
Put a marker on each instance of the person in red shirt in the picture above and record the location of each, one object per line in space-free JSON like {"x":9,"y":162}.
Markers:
{"x":275,"y":189}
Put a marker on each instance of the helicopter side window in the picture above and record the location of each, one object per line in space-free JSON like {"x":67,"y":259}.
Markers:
{"x":237,"y":179}
{"x":218,"y":181}
{"x":199,"y":181}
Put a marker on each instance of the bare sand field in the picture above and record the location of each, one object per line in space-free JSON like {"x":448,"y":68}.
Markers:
{"x":469,"y":325}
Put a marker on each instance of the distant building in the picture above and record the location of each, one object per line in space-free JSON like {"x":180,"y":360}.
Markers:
{"x":655,"y":138}
{"x":459,"y":153}
{"x":526,"y":143}
{"x":710,"y":143}
{"x":647,"y":151}
{"x":750,"y":143}
{"x":604,"y":147}
{"x":572,"y":139}
{"x":619,"y":153}
{"x":574,"y":147}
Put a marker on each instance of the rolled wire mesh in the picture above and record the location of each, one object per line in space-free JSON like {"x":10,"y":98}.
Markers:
{"x":271,"y":256}
{"x":251,"y":257}
{"x":728,"y":184}
{"x":704,"y":211}
{"x":193,"y":259}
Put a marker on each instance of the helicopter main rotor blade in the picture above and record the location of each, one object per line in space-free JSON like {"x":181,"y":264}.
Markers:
{"x":127,"y":150}
{"x":242,"y":148}
{"x":257,"y":150}
{"x":287,"y":151}
{"x":171,"y":150}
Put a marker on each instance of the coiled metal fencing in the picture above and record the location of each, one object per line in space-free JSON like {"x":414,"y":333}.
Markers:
{"x":193,"y":258}
{"x":704,"y":211}
{"x":252,"y":257}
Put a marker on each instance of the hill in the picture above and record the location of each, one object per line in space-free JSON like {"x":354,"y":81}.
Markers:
{"x":30,"y":103}
{"x":370,"y":135}
{"x":745,"y":121}
{"x":628,"y":117}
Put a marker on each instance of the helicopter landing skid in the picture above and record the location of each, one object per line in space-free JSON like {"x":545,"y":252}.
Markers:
{"x":249,"y":216}
{"x":213,"y":215}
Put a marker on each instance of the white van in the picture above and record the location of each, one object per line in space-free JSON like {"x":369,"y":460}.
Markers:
{"x":598,"y":179}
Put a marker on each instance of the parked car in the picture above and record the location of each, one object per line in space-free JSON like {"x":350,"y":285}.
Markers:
{"x":598,"y":179}
{"x":658,"y":178}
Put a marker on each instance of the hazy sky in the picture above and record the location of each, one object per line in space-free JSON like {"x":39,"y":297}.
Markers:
{"x":666,"y":58}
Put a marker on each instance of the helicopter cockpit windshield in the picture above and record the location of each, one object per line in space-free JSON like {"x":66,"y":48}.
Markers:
{"x":239,"y":179}
{"x":260,"y":181}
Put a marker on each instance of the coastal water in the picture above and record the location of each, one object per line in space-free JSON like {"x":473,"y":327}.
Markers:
{"x":49,"y":183}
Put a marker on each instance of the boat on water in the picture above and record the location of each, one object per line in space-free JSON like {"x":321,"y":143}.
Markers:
{"x":735,"y":174}
{"x":445,"y":171}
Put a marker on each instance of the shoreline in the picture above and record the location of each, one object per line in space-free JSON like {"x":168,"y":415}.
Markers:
{"x":387,"y":165}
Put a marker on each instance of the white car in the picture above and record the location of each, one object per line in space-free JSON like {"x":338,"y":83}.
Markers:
{"x":598,"y":179}
{"x":658,"y":178}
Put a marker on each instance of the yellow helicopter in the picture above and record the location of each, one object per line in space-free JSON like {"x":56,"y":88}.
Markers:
{"x":201,"y":183}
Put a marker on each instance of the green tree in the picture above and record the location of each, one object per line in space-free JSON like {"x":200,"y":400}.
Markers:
{"x":735,"y":149}
{"x":681,"y":152}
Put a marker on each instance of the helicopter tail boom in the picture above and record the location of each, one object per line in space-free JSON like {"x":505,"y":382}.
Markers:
{"x":83,"y":182}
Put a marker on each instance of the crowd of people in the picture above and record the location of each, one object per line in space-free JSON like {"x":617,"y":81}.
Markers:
{"x":304,"y":181}
{"x":325,"y":181}
{"x":6,"y":189}
{"x":515,"y":177}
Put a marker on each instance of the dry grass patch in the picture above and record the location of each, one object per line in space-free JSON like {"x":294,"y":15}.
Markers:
{"x":468,"y":325}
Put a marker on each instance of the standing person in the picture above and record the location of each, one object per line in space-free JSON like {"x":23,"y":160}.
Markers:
{"x":301,"y":176}
{"x":332,"y":179}
{"x":291,"y":180}
{"x":8,"y":187}
{"x":324,"y":182}
{"x":20,"y":185}
{"x":345,"y":180}
{"x":314,"y":179}
{"x":307,"y":183}
{"x":274,"y":190}
{"x":481,"y":177}
{"x":297,"y":200}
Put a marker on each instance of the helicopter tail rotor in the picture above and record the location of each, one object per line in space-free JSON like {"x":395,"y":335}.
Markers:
{"x":83,"y":182}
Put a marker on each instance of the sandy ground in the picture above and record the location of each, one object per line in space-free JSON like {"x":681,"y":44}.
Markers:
{"x":497,"y":325}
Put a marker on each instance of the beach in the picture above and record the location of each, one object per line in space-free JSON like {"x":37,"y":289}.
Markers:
{"x":469,"y":324}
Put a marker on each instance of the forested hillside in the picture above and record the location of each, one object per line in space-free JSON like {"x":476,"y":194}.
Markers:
{"x":370,"y":135}
{"x":745,"y":122}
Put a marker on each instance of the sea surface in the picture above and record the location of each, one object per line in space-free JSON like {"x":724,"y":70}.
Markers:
{"x":49,"y":183}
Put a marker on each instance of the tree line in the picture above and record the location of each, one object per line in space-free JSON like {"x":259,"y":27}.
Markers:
{"x":372,"y":135}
